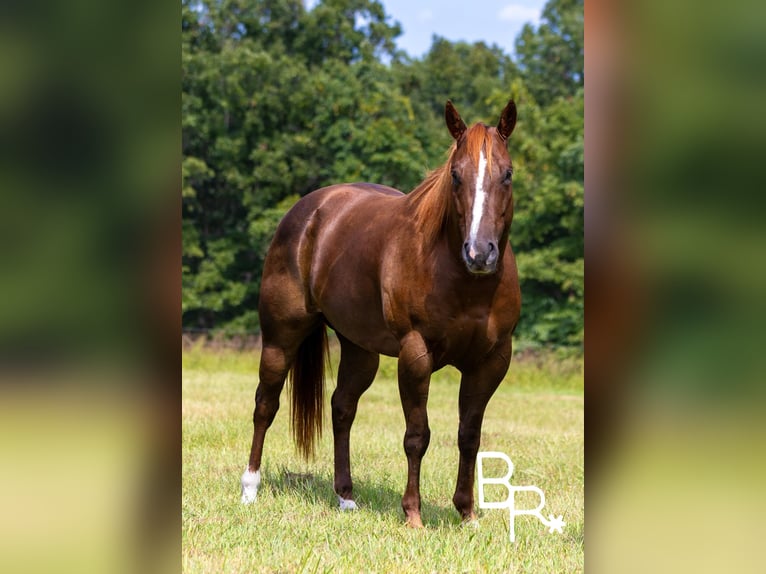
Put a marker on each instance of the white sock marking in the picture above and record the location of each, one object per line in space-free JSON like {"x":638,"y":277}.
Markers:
{"x":346,"y":504}
{"x":250,"y":483}
{"x":479,"y":200}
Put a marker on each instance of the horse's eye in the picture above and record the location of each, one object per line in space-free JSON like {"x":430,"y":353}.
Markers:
{"x":508,"y":176}
{"x":455,"y":178}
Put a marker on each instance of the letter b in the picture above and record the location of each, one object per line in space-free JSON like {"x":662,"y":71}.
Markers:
{"x":506,"y":480}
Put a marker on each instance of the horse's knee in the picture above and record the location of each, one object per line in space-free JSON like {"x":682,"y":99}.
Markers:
{"x":416,"y":441}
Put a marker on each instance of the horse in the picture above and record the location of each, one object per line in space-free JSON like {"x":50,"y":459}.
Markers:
{"x":428,"y":277}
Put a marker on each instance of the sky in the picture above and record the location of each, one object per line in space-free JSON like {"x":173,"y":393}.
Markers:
{"x":492,"y":21}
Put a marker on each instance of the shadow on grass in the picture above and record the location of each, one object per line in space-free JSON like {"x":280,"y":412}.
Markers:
{"x":318,"y":488}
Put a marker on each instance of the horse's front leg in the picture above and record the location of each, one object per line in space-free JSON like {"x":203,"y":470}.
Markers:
{"x":476,"y":388}
{"x":415,"y":365}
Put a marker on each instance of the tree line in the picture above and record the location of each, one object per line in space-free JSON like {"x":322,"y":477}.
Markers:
{"x":279,"y":100}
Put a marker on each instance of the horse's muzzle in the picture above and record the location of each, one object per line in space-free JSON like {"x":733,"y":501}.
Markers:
{"x":480,"y":257}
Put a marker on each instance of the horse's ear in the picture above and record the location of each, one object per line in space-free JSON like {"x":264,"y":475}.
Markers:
{"x":455,"y":124}
{"x":507,"y":120}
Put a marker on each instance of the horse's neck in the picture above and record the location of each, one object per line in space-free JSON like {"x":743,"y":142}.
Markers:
{"x":430,"y":210}
{"x":439,"y":251}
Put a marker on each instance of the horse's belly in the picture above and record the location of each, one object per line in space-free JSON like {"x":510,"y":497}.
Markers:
{"x":353,"y":309}
{"x":368,"y":336}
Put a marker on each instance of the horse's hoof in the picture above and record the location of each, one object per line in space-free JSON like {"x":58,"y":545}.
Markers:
{"x":346,"y":504}
{"x":470,"y":520}
{"x":250,"y":482}
{"x":415,"y":522}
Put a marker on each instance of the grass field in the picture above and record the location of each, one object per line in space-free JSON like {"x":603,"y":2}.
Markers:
{"x":536,"y":418}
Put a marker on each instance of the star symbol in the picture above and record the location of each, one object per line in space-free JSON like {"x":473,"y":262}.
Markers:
{"x":556,"y":523}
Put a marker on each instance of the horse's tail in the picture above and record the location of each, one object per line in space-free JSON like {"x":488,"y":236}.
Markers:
{"x":307,"y":390}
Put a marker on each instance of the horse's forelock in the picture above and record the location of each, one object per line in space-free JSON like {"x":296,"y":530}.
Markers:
{"x":478,"y":138}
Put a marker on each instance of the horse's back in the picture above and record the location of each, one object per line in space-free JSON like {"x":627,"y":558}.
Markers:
{"x":371,"y":188}
{"x":327,"y":204}
{"x":362,"y":191}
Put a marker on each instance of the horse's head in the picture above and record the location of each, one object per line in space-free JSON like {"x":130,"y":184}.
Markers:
{"x":481,"y":187}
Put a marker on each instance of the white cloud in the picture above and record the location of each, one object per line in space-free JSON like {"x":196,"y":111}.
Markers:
{"x":519,"y":13}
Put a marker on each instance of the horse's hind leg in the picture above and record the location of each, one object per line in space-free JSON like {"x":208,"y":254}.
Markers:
{"x":355,"y":375}
{"x":280,"y":345}
{"x":275,"y":364}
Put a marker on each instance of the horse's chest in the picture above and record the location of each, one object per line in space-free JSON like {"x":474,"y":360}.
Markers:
{"x":463,"y":334}
{"x":458,"y":319}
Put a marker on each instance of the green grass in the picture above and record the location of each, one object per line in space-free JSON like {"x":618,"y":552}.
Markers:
{"x":536,"y":418}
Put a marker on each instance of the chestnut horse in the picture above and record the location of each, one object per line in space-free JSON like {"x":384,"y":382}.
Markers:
{"x":427,"y":277}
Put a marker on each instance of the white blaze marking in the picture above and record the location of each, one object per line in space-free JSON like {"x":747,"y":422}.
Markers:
{"x":479,"y":200}
{"x":250,"y":483}
{"x":346,"y":504}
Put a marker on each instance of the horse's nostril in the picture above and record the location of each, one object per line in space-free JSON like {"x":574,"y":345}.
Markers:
{"x":492,"y":253}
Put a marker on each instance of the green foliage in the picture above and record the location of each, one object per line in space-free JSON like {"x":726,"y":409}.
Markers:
{"x":551,"y":56}
{"x":279,"y":101}
{"x":548,"y":226}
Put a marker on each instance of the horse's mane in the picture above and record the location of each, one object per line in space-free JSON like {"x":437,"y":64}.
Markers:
{"x":431,"y":198}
